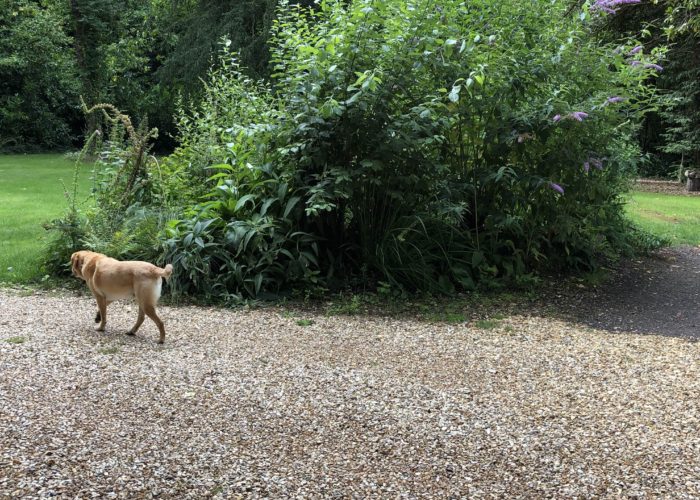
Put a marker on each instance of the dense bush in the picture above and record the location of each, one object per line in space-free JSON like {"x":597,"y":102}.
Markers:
{"x":408,"y":144}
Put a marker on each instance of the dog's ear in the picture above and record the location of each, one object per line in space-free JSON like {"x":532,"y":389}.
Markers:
{"x":76,"y":262}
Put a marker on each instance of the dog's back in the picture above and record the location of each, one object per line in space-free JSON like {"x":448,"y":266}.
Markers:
{"x":123,"y":279}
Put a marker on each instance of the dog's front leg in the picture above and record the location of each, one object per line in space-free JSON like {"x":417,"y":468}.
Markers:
{"x":98,"y":316}
{"x":102,"y":312}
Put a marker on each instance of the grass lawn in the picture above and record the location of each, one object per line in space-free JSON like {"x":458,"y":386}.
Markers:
{"x":674,"y":217}
{"x":31,"y":193}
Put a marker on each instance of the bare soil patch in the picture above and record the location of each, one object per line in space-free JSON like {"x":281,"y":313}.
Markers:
{"x":665,"y":187}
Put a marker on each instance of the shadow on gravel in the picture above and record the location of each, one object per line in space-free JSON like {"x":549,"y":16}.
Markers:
{"x":653,"y":295}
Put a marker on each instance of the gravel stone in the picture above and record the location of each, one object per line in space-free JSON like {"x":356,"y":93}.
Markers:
{"x":249,"y":404}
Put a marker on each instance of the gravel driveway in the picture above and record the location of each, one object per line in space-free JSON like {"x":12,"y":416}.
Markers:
{"x":242,"y":403}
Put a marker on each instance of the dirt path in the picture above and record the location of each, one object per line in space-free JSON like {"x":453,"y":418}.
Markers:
{"x":654,"y":295}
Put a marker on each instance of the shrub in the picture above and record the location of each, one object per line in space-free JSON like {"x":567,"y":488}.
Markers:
{"x":429,"y":146}
{"x":413,"y":145}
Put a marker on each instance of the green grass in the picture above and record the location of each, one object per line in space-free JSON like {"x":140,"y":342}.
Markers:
{"x":31,"y":193}
{"x":676,"y":218}
{"x":15,"y":340}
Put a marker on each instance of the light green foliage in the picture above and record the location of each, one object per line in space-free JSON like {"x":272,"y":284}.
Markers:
{"x":682,"y":17}
{"x":244,"y":237}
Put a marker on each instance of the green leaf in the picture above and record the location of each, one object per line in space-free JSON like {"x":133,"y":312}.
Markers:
{"x":258,"y":283}
{"x":291,"y":203}
{"x":243,"y":200}
{"x":477,"y":258}
{"x":266,"y":205}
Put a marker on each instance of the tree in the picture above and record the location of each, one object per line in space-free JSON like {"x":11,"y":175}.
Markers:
{"x":681,"y":114}
{"x":39,"y":83}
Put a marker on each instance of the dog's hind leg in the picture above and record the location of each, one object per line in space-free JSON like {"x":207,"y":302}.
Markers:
{"x":135,"y":328}
{"x":151,"y":313}
{"x":102,"y":311}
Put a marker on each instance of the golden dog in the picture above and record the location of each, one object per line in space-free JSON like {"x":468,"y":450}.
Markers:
{"x":110,"y":279}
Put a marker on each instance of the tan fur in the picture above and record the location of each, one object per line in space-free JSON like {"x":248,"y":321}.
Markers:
{"x":110,"y":279}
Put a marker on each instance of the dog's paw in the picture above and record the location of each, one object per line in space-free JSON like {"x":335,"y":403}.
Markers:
{"x":129,"y":332}
{"x":99,"y":328}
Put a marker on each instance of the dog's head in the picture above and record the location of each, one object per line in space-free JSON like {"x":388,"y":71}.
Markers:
{"x":77,"y":261}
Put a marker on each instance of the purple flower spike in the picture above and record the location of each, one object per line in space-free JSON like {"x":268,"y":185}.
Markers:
{"x":586,"y":166}
{"x":606,"y":9}
{"x":636,"y":50}
{"x":653,"y":66}
{"x":578,"y":115}
{"x":597,"y":163}
{"x":556,"y":118}
{"x":635,"y":63}
{"x":556,"y":187}
{"x":613,"y":100}
{"x":607,"y":5}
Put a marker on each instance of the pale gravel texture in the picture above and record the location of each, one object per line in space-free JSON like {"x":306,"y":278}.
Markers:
{"x":242,"y":403}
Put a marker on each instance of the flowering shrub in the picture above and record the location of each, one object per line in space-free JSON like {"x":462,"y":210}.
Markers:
{"x":425,"y":145}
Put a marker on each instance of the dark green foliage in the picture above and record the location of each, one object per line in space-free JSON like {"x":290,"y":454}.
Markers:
{"x":419,"y":148}
{"x":38,"y":78}
{"x":682,"y":111}
{"x":197,"y":26}
{"x":681,"y":114}
{"x":397,"y":146}
{"x":142,"y":56}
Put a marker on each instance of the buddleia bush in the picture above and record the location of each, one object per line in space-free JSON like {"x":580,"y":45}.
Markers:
{"x":427,"y":145}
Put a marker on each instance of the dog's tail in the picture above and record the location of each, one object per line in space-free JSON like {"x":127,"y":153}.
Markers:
{"x":167,"y":271}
